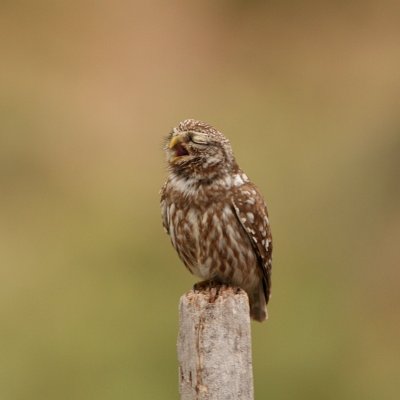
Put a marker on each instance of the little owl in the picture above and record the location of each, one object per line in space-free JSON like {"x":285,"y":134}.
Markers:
{"x":215,"y":216}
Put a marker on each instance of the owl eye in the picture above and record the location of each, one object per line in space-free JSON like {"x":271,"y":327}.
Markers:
{"x":199,"y":139}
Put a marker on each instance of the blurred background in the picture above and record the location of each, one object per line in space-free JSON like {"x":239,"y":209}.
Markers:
{"x":308,"y":93}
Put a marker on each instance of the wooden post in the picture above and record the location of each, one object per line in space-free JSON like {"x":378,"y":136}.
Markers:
{"x":214,"y":345}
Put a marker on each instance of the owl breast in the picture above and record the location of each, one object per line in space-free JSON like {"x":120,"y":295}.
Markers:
{"x":211,"y":243}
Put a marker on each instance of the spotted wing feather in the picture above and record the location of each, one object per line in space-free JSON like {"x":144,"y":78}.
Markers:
{"x":164,"y":209}
{"x":252,"y":214}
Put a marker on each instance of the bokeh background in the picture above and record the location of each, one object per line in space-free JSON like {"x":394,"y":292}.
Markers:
{"x":308,"y":92}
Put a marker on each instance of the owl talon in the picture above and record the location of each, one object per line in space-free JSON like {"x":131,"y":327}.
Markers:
{"x":201,"y":286}
{"x":213,"y":287}
{"x":206,"y":285}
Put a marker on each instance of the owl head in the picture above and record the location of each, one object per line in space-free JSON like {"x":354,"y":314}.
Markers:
{"x":198,"y":150}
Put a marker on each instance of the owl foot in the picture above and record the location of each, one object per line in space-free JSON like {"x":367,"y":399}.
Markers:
{"x":211,"y":286}
{"x":207,"y":285}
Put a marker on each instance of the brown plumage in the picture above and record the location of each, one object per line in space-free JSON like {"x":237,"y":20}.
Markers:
{"x":216,"y":218}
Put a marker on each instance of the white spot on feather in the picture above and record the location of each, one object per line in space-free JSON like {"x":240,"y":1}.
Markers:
{"x":237,"y":180}
{"x":227,"y":212}
{"x":250,"y":216}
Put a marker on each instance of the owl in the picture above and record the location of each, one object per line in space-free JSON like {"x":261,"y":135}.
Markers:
{"x":215,"y":216}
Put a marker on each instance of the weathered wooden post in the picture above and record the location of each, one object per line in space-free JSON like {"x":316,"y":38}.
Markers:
{"x":214,"y":345}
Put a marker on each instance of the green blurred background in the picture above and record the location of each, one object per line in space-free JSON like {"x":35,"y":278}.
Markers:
{"x":308,"y":92}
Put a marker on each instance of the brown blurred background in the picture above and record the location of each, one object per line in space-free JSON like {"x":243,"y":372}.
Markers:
{"x":308,"y":92}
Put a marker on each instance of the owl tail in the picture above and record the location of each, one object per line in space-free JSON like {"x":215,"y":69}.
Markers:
{"x":258,"y":306}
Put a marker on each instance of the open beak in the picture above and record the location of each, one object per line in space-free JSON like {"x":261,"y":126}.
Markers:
{"x":174,"y":141}
{"x":178,"y":146}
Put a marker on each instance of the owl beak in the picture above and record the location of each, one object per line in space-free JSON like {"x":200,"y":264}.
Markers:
{"x":174,"y":141}
{"x":177,"y":140}
{"x":177,"y":144}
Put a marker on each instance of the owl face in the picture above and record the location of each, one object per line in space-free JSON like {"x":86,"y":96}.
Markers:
{"x":197,"y":150}
{"x":189,"y":147}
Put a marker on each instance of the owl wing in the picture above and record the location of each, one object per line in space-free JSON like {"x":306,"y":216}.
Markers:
{"x":252,"y":215}
{"x":164,"y":209}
